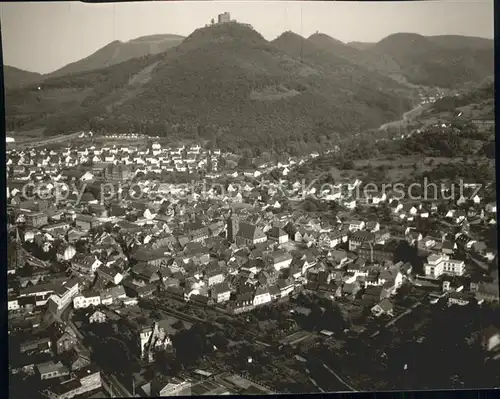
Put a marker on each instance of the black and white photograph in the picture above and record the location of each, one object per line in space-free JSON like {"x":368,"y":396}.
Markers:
{"x":250,"y":197}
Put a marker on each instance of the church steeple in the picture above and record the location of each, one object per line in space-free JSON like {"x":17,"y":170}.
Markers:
{"x":232,"y":227}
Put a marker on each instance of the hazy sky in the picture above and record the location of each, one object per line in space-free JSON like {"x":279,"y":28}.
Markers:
{"x":43,"y":37}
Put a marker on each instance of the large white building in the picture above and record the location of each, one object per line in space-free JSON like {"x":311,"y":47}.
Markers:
{"x":438,"y":265}
{"x":64,"y":294}
{"x":86,"y":300}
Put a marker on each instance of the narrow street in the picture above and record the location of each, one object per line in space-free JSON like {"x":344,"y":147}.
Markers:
{"x":351,"y":388}
{"x":319,"y":377}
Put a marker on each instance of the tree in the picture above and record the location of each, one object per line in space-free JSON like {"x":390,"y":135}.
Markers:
{"x":244,"y":162}
{"x":309,"y":206}
{"x":275,"y":174}
{"x":346,"y":164}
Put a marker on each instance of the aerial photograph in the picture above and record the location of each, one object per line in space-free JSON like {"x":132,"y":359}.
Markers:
{"x":250,"y":198}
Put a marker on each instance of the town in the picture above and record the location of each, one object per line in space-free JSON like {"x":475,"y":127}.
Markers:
{"x":210,"y":256}
{"x":201,"y":207}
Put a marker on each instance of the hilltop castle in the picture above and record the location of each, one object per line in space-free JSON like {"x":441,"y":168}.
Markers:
{"x":223,"y":18}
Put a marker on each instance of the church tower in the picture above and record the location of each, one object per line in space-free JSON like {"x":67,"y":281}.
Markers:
{"x":232,"y":227}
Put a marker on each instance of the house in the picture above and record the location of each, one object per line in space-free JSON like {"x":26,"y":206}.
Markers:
{"x":85,"y":264}
{"x":278,"y":235}
{"x":197,"y":232}
{"x":280,"y":259}
{"x":36,"y":220}
{"x":83,"y":382}
{"x":299,"y":265}
{"x":491,"y":207}
{"x":349,"y":203}
{"x":409,"y":210}
{"x":459,"y":298}
{"x":82,"y":361}
{"x":147,"y":273}
{"x":261,"y":296}
{"x":37,"y":346}
{"x":64,"y":294}
{"x":439,"y":264}
{"x":85,"y":222}
{"x":87,"y":299}
{"x":456,"y":216}
{"x":110,"y":274}
{"x":383,"y":307}
{"x":221,"y":292}
{"x":40,"y":292}
{"x":151,"y":257}
{"x":356,"y":225}
{"x":359,"y":237}
{"x":113,"y":295}
{"x":336,"y":238}
{"x":426,"y":243}
{"x":140,"y":291}
{"x":13,"y":305}
{"x":214,"y":277}
{"x":286,"y":286}
{"x":66,"y":341}
{"x":49,"y":370}
{"x":97,"y":317}
{"x":372,"y":226}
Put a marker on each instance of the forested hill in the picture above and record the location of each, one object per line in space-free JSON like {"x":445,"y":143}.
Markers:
{"x":225,"y":83}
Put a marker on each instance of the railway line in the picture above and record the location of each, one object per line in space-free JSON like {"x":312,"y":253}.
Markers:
{"x":183,"y":316}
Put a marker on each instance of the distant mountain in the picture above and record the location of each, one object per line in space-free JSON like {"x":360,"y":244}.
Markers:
{"x":225,"y":83}
{"x":444,"y":61}
{"x":460,"y":42}
{"x":360,"y":45}
{"x":117,"y":52}
{"x":15,"y":78}
{"x":111,"y":54}
{"x":379,"y":62}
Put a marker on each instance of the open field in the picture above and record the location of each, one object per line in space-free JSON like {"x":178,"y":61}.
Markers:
{"x":36,"y":139}
{"x":120,"y":142}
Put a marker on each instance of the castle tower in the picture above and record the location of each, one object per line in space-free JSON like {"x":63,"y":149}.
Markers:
{"x":232,"y":227}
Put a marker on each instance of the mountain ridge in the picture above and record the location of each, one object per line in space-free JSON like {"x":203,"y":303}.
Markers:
{"x":117,"y":52}
{"x":15,"y":78}
{"x":223,"y":82}
{"x":228,"y":84}
{"x":112,"y":53}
